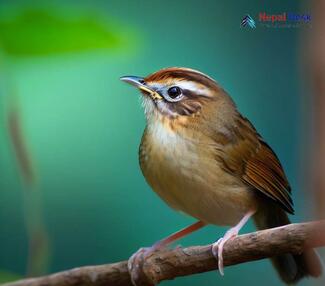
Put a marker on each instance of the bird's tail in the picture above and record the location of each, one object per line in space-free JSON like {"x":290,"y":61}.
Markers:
{"x":290,"y":267}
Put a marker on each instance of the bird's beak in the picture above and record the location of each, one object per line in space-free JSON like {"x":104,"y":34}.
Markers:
{"x":140,"y":84}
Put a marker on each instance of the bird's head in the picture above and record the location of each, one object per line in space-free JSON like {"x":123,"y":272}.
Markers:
{"x":175,"y":94}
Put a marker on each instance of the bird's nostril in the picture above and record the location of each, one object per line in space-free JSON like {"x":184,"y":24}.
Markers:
{"x":141,"y":81}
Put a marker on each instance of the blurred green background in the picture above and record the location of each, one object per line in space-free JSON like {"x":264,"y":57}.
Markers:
{"x":72,"y":192}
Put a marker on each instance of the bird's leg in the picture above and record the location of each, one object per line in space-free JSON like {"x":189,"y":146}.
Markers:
{"x":217,"y":247}
{"x":137,"y":258}
{"x":179,"y":234}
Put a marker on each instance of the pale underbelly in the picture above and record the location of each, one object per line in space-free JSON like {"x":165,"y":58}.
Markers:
{"x":186,"y":174}
{"x":219,"y":205}
{"x":201,"y":189}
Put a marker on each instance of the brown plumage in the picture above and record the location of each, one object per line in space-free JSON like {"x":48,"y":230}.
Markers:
{"x":250,"y":158}
{"x":202,"y":157}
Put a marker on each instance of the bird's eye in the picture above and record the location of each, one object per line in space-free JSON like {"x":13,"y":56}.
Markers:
{"x":174,"y":92}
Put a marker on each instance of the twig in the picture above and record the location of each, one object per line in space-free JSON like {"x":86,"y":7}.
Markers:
{"x":169,"y":264}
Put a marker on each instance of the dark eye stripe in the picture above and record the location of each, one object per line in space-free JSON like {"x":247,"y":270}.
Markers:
{"x":190,"y":94}
{"x":183,"y":108}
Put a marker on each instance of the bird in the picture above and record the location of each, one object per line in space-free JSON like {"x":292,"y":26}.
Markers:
{"x":205,"y":159}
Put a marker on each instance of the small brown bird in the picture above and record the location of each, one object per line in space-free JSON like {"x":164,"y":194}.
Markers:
{"x":202,"y":157}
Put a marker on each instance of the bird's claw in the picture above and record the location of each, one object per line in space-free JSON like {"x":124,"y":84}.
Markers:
{"x":217,"y":248}
{"x":135,"y":265}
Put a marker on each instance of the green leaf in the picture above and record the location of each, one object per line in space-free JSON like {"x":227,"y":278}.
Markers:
{"x":6,"y":276}
{"x":34,"y":32}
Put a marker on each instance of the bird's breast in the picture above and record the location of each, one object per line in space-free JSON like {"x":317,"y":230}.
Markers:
{"x":184,"y":173}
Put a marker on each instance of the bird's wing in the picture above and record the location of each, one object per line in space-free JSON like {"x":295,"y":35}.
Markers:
{"x":248,"y":157}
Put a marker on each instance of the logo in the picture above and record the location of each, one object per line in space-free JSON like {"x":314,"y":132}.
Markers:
{"x":279,"y":20}
{"x":284,"y":20}
{"x":248,"y":21}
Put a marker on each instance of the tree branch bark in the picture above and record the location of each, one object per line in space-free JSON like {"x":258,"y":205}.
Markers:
{"x":169,"y":264}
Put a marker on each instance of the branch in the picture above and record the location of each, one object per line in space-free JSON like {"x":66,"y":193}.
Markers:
{"x":169,"y":264}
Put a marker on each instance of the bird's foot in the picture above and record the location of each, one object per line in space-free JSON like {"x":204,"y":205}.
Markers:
{"x":136,"y":262}
{"x":217,"y":247}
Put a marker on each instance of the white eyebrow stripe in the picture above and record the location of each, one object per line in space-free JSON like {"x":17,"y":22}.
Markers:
{"x":186,"y":85}
{"x":192,"y":86}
